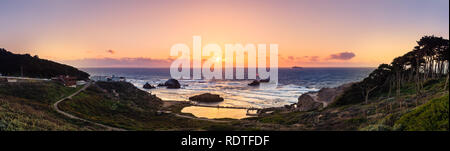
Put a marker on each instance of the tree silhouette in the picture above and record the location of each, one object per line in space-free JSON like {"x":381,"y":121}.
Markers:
{"x":426,"y":61}
{"x":18,"y":64}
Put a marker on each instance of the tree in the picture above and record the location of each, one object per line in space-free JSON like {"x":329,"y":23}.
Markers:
{"x":377,"y":78}
{"x":428,"y":60}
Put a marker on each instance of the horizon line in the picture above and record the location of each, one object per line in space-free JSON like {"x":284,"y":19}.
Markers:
{"x":193,"y":68}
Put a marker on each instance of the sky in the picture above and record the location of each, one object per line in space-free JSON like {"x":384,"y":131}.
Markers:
{"x":140,"y":33}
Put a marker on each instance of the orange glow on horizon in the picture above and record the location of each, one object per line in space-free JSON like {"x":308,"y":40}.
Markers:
{"x":307,"y":32}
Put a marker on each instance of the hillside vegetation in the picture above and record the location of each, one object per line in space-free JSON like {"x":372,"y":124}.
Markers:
{"x":122,"y":105}
{"x":27,"y":106}
{"x":32,"y":66}
{"x":430,"y":116}
{"x":427,"y":61}
{"x":411,"y":93}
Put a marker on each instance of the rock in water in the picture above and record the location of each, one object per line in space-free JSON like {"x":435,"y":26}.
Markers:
{"x":264,"y":80}
{"x":171,"y":84}
{"x":206,"y":97}
{"x":307,"y":103}
{"x":254,"y":83}
{"x":148,"y":86}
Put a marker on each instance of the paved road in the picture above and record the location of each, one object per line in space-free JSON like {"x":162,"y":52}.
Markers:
{"x":55,"y":107}
{"x":24,"y":78}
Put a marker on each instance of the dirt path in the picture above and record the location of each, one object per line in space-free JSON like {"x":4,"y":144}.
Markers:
{"x":55,"y":107}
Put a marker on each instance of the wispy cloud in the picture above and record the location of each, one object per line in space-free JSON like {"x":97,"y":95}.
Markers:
{"x":302,"y":59}
{"x":332,"y":60}
{"x":141,"y":62}
{"x":119,"y":62}
{"x":313,"y":58}
{"x":342,"y":56}
{"x":110,"y":51}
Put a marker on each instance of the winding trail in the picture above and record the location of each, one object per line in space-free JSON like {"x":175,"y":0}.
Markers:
{"x":55,"y":107}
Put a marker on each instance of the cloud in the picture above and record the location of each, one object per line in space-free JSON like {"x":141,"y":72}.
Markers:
{"x":332,"y":60}
{"x":291,"y":58}
{"x":120,"y":62}
{"x":110,"y":51}
{"x":342,"y":56}
{"x":300,"y":59}
{"x":314,"y":58}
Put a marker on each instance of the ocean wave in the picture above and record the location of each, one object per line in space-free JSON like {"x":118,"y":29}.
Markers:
{"x":292,"y":84}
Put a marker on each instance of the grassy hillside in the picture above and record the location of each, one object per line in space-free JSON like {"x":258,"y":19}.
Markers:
{"x":122,"y":105}
{"x":27,"y":106}
{"x":405,"y":112}
{"x":431,"y":116}
{"x":43,"y":92}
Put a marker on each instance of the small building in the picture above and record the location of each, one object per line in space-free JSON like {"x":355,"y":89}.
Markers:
{"x":107,"y":79}
{"x":66,"y":80}
{"x":117,"y":79}
{"x":81,"y":82}
{"x":10,"y":80}
{"x":99,"y":78}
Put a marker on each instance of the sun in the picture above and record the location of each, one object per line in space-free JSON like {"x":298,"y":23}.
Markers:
{"x":218,"y":59}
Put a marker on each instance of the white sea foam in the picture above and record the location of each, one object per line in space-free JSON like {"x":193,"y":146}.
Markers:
{"x":235,"y":93}
{"x":292,"y":84}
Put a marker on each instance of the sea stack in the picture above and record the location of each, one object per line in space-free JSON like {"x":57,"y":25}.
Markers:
{"x":148,"y":86}
{"x":254,"y":83}
{"x":206,"y":97}
{"x":171,"y":84}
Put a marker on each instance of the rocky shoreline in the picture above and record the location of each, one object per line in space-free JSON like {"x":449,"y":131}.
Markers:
{"x":311,"y":101}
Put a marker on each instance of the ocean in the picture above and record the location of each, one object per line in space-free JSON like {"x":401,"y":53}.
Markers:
{"x":291,"y":84}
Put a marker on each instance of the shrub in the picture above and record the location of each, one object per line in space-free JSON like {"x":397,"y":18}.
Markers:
{"x":432,"y":116}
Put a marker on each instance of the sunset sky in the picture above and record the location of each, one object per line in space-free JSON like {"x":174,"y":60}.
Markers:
{"x":140,"y":33}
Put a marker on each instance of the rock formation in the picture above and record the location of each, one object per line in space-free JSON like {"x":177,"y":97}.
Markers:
{"x":171,"y":84}
{"x":306,"y":102}
{"x":148,"y":86}
{"x":254,"y":83}
{"x":206,"y":97}
{"x":317,"y":100}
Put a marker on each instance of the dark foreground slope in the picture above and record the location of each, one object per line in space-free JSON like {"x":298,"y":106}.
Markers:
{"x":32,"y":66}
